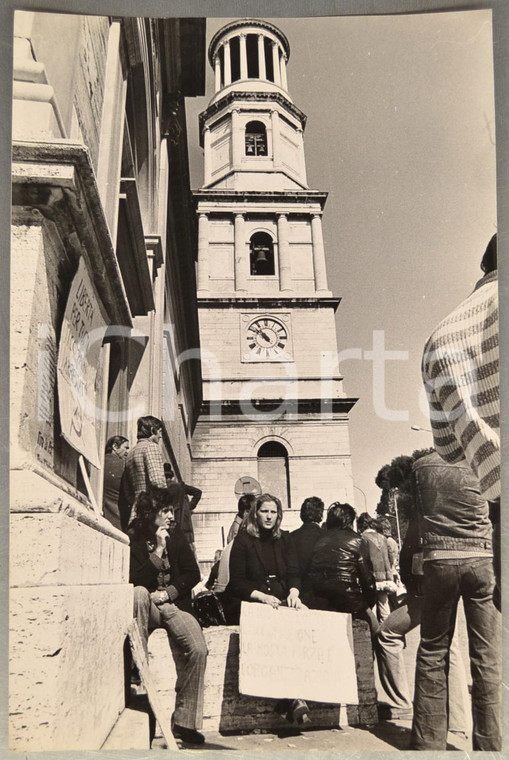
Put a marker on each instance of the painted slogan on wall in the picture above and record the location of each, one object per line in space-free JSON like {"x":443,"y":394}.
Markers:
{"x":306,"y":654}
{"x":83,"y":330}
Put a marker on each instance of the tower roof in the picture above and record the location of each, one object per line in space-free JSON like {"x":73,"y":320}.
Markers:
{"x":247,"y":22}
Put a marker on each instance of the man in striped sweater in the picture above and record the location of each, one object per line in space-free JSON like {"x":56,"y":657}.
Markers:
{"x":460,"y":369}
{"x":461,"y":375}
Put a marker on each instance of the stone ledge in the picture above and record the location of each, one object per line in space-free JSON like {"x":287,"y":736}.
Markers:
{"x":227,"y":711}
{"x":33,"y":490}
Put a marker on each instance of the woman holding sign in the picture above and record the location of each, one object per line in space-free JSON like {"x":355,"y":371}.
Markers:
{"x":264,"y":569}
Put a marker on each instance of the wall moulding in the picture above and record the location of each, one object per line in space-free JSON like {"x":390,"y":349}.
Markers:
{"x":56,"y":178}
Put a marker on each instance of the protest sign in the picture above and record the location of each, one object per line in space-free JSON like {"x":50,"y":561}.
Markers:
{"x":79,"y":349}
{"x":288,"y":653}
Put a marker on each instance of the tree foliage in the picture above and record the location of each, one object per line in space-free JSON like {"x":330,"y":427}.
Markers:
{"x":395,"y":481}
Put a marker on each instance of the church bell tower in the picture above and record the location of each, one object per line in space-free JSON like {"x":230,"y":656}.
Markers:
{"x":274,"y":407}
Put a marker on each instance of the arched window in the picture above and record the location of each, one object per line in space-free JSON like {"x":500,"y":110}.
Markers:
{"x":261,"y":254}
{"x":256,"y":139}
{"x":253,"y":69}
{"x":273,"y":473}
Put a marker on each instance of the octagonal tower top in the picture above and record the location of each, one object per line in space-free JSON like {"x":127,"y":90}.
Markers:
{"x":251,"y":55}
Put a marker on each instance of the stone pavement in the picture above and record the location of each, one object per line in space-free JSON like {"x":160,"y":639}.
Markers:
{"x":386,"y":736}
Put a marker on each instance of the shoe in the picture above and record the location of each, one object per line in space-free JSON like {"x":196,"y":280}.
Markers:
{"x":299,"y":712}
{"x":187,"y":735}
{"x":282,"y":708}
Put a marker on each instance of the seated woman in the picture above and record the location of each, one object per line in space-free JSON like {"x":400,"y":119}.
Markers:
{"x":163,"y":570}
{"x":264,"y":568}
{"x":340,"y":574}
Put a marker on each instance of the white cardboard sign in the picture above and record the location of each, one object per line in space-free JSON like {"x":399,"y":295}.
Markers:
{"x":82,"y":333}
{"x":288,"y":653}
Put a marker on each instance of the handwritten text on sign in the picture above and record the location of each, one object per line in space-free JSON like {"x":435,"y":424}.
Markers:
{"x":306,"y":654}
{"x":82,"y":333}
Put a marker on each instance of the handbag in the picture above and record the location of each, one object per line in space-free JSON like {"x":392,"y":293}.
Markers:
{"x":208,"y":610}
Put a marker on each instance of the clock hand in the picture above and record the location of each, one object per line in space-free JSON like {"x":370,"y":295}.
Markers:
{"x":259,"y":331}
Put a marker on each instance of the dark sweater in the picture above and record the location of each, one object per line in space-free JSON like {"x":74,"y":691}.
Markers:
{"x":184,"y":570}
{"x":248,"y":568}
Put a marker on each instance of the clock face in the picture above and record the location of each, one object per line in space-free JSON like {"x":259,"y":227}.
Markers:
{"x":266,"y":338}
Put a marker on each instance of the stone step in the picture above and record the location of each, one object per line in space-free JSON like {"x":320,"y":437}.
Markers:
{"x":131,"y":731}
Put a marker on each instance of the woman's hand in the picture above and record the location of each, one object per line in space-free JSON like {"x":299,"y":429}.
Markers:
{"x":259,"y":596}
{"x":293,"y":599}
{"x":161,"y":536}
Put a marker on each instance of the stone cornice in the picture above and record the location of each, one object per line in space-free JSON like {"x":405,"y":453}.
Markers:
{"x":56,"y":177}
{"x":269,"y":303}
{"x":288,"y":407}
{"x":231,"y":97}
{"x":262,"y":196}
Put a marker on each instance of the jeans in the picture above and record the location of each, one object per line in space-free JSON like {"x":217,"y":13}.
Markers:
{"x":383,"y":609}
{"x":183,"y":630}
{"x":445,"y":581}
{"x":391,"y":665}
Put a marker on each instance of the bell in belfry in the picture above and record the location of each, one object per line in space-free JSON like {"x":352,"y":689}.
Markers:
{"x":261,"y":260}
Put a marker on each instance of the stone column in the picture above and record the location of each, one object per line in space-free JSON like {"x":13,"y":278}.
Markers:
{"x":262,"y":69}
{"x":112,"y":127}
{"x":206,"y":156}
{"x":237,"y":151}
{"x":227,"y":64}
{"x":285,"y":266}
{"x":243,"y":57}
{"x":276,"y":144}
{"x":203,"y":252}
{"x":318,"y":253}
{"x":275,"y":63}
{"x":217,"y":73}
{"x":241,"y":255}
{"x":284,"y":81}
{"x":302,"y":158}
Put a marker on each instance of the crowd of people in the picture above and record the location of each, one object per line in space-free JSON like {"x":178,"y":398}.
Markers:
{"x":348,"y":563}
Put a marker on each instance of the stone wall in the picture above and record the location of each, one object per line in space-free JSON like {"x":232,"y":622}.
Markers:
{"x":67,"y":568}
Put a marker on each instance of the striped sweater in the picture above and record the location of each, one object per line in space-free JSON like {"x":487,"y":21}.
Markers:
{"x":460,"y":369}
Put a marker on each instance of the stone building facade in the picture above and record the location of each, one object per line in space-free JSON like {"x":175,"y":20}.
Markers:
{"x":274,"y":407}
{"x":103,"y":329}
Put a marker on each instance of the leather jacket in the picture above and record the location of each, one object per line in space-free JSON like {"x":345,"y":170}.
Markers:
{"x":341,"y":559}
{"x":454,"y":515}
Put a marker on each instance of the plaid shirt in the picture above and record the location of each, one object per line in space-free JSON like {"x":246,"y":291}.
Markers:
{"x":460,"y":370}
{"x":143,"y":468}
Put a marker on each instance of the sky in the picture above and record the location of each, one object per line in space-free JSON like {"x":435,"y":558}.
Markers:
{"x":401,"y":134}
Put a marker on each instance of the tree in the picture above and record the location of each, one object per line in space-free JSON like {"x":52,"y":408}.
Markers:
{"x":395,"y":482}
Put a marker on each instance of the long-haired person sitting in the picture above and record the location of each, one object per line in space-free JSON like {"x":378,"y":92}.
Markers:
{"x":264,"y":569}
{"x":340,"y":574}
{"x":163,"y":570}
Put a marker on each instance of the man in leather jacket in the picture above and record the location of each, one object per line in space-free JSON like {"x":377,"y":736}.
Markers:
{"x":341,"y":574}
{"x":458,"y":562}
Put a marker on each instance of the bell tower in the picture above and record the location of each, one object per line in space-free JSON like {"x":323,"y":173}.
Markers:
{"x":274,"y":406}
